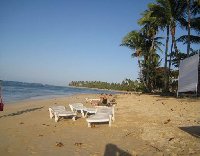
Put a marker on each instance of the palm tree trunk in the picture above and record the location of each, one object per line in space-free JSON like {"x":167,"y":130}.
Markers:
{"x":144,"y":74}
{"x":170,"y":60}
{"x":188,"y":37}
{"x":140,"y":72}
{"x":173,"y":32}
{"x":166,"y":87}
{"x":147,"y":76}
{"x":174,"y":40}
{"x":149,"y":62}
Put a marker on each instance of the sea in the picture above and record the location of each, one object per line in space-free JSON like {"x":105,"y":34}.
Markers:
{"x":13,"y":91}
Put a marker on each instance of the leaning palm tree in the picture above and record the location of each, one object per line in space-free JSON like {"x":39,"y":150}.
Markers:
{"x":141,"y":44}
{"x":150,"y":27}
{"x":137,"y":42}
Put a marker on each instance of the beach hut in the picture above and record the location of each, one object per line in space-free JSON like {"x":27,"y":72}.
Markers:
{"x":189,"y":75}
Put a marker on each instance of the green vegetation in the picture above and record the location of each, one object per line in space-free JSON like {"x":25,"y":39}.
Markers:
{"x":126,"y":85}
{"x":162,"y":15}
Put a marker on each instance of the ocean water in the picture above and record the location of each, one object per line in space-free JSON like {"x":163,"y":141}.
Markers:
{"x":15,"y":91}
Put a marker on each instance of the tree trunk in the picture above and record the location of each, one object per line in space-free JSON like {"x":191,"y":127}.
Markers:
{"x":166,"y":87}
{"x":149,"y":82}
{"x":170,"y":60}
{"x":173,"y":32}
{"x":140,"y":73}
{"x":188,"y":37}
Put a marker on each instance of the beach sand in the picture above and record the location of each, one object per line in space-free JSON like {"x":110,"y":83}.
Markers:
{"x":144,"y":125}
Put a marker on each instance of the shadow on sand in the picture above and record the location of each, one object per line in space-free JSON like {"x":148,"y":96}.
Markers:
{"x":193,"y":130}
{"x":113,"y":150}
{"x":21,"y":112}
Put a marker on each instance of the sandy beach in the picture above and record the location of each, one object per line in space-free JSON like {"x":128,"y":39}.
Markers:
{"x":144,"y":125}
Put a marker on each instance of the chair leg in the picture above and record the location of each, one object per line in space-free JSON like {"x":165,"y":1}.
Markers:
{"x":51,"y":113}
{"x":89,"y":124}
{"x":74,"y":118}
{"x":113,"y":114}
{"x":56,"y":118}
{"x":85,"y":116}
{"x":110,"y":123}
{"x":110,"y":120}
{"x":113,"y":118}
{"x":82,"y":113}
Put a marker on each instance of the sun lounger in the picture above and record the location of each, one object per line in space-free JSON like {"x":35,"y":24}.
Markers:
{"x":77,"y":107}
{"x":105,"y":109}
{"x":60,"y":111}
{"x":99,"y":117}
{"x":103,"y":114}
{"x":89,"y":111}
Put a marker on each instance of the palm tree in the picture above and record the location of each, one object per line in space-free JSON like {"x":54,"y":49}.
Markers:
{"x":150,"y":28}
{"x":136,"y":41}
{"x":161,"y":12}
{"x":190,"y":21}
{"x":168,"y":13}
{"x":193,"y":7}
{"x":188,"y":37}
{"x":141,"y":44}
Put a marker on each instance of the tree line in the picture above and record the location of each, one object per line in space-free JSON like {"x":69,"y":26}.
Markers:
{"x":125,"y":85}
{"x":167,"y":16}
{"x":145,"y":44}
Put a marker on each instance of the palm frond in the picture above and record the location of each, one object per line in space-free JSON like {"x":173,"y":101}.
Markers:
{"x":193,"y":39}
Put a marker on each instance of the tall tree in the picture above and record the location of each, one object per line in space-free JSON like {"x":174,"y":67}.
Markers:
{"x":191,"y":21}
{"x":161,"y":12}
{"x":150,"y":28}
{"x":141,"y":43}
{"x":188,"y":37}
{"x":138,"y":43}
{"x":168,"y":14}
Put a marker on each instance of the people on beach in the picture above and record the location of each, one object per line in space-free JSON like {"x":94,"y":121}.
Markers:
{"x":104,"y":100}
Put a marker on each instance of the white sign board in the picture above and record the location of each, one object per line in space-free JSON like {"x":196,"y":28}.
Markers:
{"x":188,"y":74}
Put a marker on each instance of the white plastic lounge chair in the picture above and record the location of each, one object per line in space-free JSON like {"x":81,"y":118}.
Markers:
{"x":103,"y":114}
{"x":77,"y":107}
{"x":109,"y":110}
{"x":60,"y":111}
{"x":52,"y":109}
{"x":99,"y":117}
{"x":89,"y":111}
{"x":82,"y":109}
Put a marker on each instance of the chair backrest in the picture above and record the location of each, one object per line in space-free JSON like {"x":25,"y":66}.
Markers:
{"x":75,"y":105}
{"x":54,"y":108}
{"x":109,"y":110}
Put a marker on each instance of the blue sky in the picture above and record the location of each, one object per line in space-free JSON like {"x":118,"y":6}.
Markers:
{"x":55,"y":42}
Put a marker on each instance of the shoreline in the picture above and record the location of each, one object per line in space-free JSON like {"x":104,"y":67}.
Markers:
{"x":145,"y":125}
{"x":120,"y":91}
{"x":18,"y":99}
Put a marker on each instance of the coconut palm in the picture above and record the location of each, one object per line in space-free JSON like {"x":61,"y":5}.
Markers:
{"x":141,"y":44}
{"x":193,"y":8}
{"x":168,"y":14}
{"x":191,"y":21}
{"x":138,"y":43}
